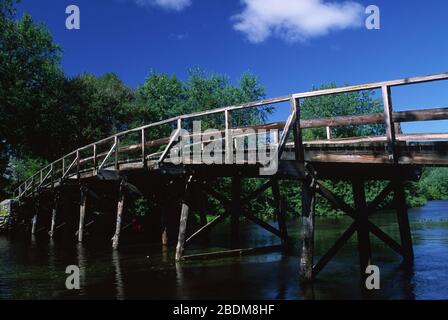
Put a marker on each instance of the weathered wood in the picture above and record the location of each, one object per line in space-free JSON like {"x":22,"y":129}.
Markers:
{"x":308,"y":215}
{"x":299,"y":150}
{"x":228,"y":138}
{"x":389,"y":123}
{"x":379,"y":198}
{"x":233,"y":252}
{"x":120,"y":209}
{"x":403,"y":222}
{"x":82,"y":214}
{"x":236,"y":211}
{"x":371,"y":86}
{"x":376,"y":118}
{"x":54,"y":214}
{"x":263,"y":224}
{"x":329,"y":135}
{"x":337,"y":202}
{"x":364,"y":248}
{"x":34,"y":224}
{"x":385,"y":238}
{"x":279,"y":213}
{"x":339,"y":243}
{"x":207,"y":226}
{"x":186,"y":203}
{"x":256,"y":192}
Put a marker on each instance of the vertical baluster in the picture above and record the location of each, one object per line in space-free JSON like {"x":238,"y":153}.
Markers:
{"x":228,"y":138}
{"x":143,"y":147}
{"x":390,"y":129}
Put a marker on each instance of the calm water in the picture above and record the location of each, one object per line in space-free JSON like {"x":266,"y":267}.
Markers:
{"x":36,"y":269}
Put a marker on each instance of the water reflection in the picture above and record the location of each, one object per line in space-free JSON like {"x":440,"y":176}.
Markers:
{"x":37,"y":269}
{"x":82,"y":264}
{"x":118,"y":275}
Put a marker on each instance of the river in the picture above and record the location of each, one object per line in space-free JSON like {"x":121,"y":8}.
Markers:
{"x":35,"y":269}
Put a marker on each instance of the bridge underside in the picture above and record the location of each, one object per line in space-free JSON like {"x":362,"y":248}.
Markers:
{"x":190,"y":183}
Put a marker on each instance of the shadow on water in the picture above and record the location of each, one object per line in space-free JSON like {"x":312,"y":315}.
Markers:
{"x":35,"y":269}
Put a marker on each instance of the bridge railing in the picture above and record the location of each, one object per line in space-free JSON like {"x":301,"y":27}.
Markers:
{"x":134,"y":146}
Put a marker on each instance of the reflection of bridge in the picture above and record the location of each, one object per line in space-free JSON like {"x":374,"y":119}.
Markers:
{"x":137,"y":161}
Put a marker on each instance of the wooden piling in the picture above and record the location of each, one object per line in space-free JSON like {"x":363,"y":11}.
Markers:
{"x":82,"y":214}
{"x":403,"y":222}
{"x":34,"y":224}
{"x":279,"y":213}
{"x":54,"y":215}
{"x":236,"y":211}
{"x":120,"y":208}
{"x":308,"y":214}
{"x":34,"y":221}
{"x":186,"y":203}
{"x":364,"y":248}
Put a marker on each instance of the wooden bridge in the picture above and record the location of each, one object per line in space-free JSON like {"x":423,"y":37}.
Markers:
{"x":138,"y":160}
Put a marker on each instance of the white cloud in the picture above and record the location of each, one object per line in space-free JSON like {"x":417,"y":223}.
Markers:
{"x":296,"y":20}
{"x":175,"y":5}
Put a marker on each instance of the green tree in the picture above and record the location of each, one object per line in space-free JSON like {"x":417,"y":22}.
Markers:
{"x":29,"y":83}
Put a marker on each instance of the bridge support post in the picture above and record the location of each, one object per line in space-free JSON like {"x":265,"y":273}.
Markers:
{"x":35,"y":219}
{"x":186,"y":204}
{"x":308,"y":215}
{"x":403,"y":222}
{"x":236,"y":211}
{"x":364,"y":248}
{"x":82,"y":214}
{"x":120,"y":209}
{"x":279,"y":212}
{"x":164,"y":231}
{"x":34,"y":224}
{"x":54,"y":215}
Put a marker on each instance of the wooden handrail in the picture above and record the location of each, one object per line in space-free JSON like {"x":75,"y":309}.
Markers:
{"x":396,"y":117}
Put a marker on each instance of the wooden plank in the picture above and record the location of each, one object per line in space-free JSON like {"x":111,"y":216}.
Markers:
{"x":257,"y":192}
{"x":326,"y":258}
{"x":263,"y":224}
{"x":385,"y":238}
{"x":206,"y":227}
{"x":371,"y":86}
{"x":372,"y":207}
{"x":233,"y":252}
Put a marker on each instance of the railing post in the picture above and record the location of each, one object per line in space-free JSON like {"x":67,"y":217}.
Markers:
{"x":328,"y":133}
{"x":116,"y":142}
{"x":143,"y":148}
{"x":52,"y":176}
{"x":94,"y":157}
{"x":297,"y":131}
{"x":228,"y":138}
{"x":78,"y":176}
{"x":388,"y":120}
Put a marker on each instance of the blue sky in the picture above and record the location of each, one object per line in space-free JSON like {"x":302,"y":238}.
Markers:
{"x":318,"y":42}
